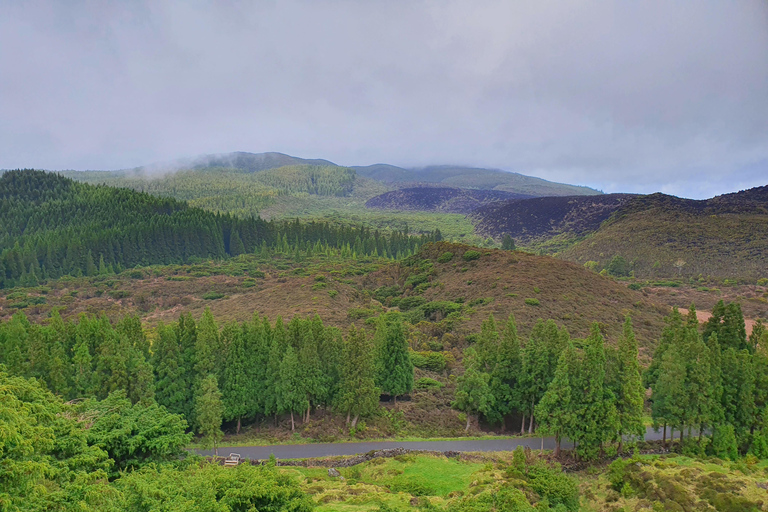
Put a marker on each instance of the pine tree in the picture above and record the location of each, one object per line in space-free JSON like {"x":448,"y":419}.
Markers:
{"x":290,"y":396}
{"x":209,"y":410}
{"x":171,"y":390}
{"x":207,"y":347}
{"x":309,"y":361}
{"x":505,"y":378}
{"x":358,"y":394}
{"x":669,"y":396}
{"x":631,"y":394}
{"x":555,"y":409}
{"x":83,"y":374}
{"x":235,"y":386}
{"x":595,"y":404}
{"x":487,"y":344}
{"x":473,"y":395}
{"x":395,"y":367}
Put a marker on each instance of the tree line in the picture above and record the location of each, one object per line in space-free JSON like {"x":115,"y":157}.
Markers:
{"x":242,"y":371}
{"x":710,"y":379}
{"x":568,"y":388}
{"x":52,"y":226}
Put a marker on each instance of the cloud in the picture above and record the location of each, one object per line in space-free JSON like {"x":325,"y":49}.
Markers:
{"x":624,"y":96}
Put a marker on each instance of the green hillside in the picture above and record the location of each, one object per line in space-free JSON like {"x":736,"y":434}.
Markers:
{"x":471,"y":177}
{"x":52,"y":226}
{"x":664,"y":236}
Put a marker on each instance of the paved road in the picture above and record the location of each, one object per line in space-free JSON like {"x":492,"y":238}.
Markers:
{"x":316,"y":450}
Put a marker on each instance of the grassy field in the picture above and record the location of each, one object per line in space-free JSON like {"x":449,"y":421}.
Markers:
{"x":394,"y":482}
{"x":432,"y":482}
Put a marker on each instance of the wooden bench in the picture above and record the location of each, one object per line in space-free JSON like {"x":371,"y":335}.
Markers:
{"x":233,"y":460}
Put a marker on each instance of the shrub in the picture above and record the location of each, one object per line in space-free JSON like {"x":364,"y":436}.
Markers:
{"x":257,"y":273}
{"x":554,"y":485}
{"x":382,"y":293}
{"x":471,"y":255}
{"x":119,"y":294}
{"x":416,"y":280}
{"x":319,"y":286}
{"x":408,"y":303}
{"x":358,"y":313}
{"x":763,"y":281}
{"x":213,"y":296}
{"x":332,"y":293}
{"x":432,"y":361}
{"x":532,"y":302}
{"x":425,"y":383}
{"x":634,"y":286}
{"x":445,"y":257}
{"x":724,"y":443}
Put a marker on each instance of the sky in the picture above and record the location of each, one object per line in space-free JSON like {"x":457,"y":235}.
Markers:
{"x":624,"y":96}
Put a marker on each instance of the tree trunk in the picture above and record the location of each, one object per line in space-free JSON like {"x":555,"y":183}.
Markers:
{"x":354,"y":420}
{"x":309,"y":409}
{"x":522,"y":428}
{"x":215,"y":450}
{"x":542,"y":444}
{"x":238,"y":424}
{"x":394,"y":398}
{"x":292,"y":425}
{"x":557,"y":446}
{"x":503,"y":425}
{"x":664,"y":436}
{"x":530,"y":424}
{"x":348,"y":414}
{"x":468,"y":420}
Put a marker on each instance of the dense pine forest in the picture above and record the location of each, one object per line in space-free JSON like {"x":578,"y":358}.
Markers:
{"x":52,"y":226}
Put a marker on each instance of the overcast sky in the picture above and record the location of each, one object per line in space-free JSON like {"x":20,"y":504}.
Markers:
{"x":629,"y":96}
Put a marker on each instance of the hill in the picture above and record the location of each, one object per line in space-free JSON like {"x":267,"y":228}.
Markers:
{"x":472,"y":177}
{"x":344,"y":290}
{"x":52,"y":226}
{"x":445,"y":199}
{"x":665,"y":236}
{"x":241,"y":160}
{"x":537,"y":219}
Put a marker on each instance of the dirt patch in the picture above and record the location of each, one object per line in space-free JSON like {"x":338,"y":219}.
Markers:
{"x":703,"y":316}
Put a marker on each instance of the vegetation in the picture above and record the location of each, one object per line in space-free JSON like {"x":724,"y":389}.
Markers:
{"x":53,"y":226}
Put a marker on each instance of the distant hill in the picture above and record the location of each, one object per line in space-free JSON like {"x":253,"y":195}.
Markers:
{"x":440,"y":199}
{"x":539,"y":218}
{"x":471,"y":177}
{"x":664,"y":236}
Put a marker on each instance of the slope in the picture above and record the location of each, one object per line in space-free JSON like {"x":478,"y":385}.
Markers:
{"x":471,"y":177}
{"x":444,"y":199}
{"x":52,"y":226}
{"x":665,"y":236}
{"x":537,"y":219}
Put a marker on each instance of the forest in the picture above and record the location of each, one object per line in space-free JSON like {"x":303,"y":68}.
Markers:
{"x":51,"y":226}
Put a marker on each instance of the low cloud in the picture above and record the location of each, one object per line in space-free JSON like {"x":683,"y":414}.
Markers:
{"x":622,"y":96}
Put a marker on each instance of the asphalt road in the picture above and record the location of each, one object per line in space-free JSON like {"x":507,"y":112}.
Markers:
{"x":317,"y":450}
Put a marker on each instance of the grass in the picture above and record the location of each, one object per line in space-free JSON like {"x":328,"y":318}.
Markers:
{"x":393,"y":481}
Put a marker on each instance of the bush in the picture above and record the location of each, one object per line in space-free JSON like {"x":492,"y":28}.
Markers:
{"x":471,"y":255}
{"x":432,"y":361}
{"x":332,"y":293}
{"x":532,"y":302}
{"x":408,"y":303}
{"x":763,"y":281}
{"x":119,"y":294}
{"x":426,"y":383}
{"x":554,"y":485}
{"x":445,"y":257}
{"x":382,"y":293}
{"x":724,"y":443}
{"x":213,"y":296}
{"x":416,"y":280}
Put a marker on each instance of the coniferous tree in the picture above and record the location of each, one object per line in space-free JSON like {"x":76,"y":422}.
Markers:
{"x":505,"y":377}
{"x":290,"y":396}
{"x":209,"y":411}
{"x":395,"y":376}
{"x":358,"y":394}
{"x":630,"y":396}
{"x":555,"y":410}
{"x":234,"y":389}
{"x":473,"y":395}
{"x":171,"y":386}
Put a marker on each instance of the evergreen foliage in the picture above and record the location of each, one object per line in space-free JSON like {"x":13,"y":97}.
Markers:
{"x":51,"y":226}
